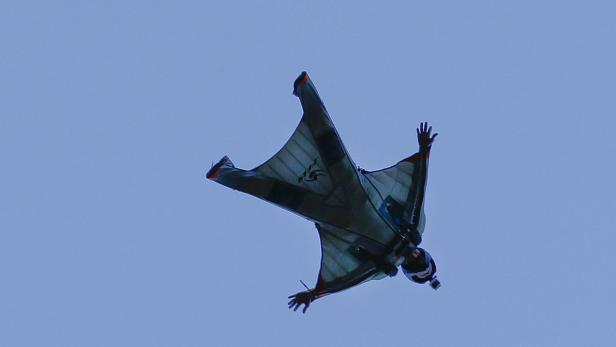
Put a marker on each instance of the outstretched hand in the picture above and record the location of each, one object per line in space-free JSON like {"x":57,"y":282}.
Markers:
{"x":301,"y":298}
{"x":423,"y":136}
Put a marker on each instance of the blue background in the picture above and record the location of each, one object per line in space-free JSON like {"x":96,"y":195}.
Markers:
{"x":111,"y":112}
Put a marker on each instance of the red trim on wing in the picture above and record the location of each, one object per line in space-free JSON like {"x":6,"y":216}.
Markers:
{"x":213,"y":174}
{"x":320,"y":287}
{"x":300,"y":81}
{"x":415,"y":157}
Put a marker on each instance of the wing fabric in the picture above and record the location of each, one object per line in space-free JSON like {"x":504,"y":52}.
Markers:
{"x":293,"y":198}
{"x":314,"y":158}
{"x":347,"y":259}
{"x":311,"y":175}
{"x":299,"y":164}
{"x":396,"y":188}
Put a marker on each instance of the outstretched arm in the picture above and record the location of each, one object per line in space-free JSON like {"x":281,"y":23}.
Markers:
{"x":366,"y":271}
{"x":308,"y":296}
{"x":425,"y":140}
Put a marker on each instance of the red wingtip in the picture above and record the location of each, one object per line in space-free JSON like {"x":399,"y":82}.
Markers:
{"x":300,"y":81}
{"x":213,"y":173}
{"x":212,"y":176}
{"x":215,"y":170}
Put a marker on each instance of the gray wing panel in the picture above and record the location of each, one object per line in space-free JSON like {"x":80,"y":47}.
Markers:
{"x":299,"y":163}
{"x":394,"y":181}
{"x":395,"y":186}
{"x":347,"y":259}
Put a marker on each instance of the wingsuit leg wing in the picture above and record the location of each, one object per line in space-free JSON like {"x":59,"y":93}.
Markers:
{"x":312,"y":175}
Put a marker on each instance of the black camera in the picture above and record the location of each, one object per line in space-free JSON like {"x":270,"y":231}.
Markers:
{"x":435,"y":284}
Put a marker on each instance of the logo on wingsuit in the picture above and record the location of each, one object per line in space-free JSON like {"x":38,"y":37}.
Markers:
{"x":311,"y":173}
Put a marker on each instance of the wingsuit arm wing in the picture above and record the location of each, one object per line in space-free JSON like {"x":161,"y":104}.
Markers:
{"x":417,"y":192}
{"x":347,"y":259}
{"x":400,"y":189}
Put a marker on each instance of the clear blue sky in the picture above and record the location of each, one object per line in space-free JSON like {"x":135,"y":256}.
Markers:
{"x":111,"y":112}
